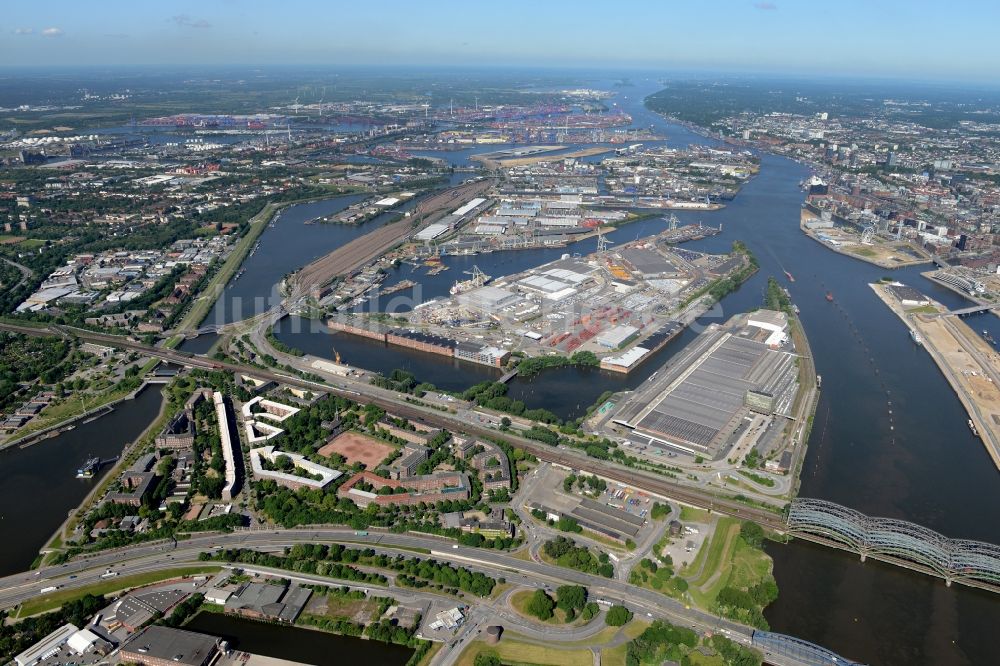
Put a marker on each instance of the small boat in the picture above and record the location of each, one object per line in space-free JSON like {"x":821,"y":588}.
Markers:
{"x":829,"y":296}
{"x":972,"y":427}
{"x":916,"y":337}
{"x":87,"y":470}
{"x":789,"y":276}
{"x":989,"y":338}
{"x":819,"y":381}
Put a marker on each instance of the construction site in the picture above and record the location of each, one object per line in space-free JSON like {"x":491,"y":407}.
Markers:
{"x":968,"y":362}
{"x":733,"y":376}
{"x":869,"y":241}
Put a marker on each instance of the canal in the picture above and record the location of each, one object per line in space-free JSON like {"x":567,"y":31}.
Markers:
{"x":44,"y":476}
{"x":296,"y":644}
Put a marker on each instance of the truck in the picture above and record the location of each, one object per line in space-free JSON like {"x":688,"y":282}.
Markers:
{"x":109,"y":574}
{"x":361,"y":533}
{"x":50,"y":588}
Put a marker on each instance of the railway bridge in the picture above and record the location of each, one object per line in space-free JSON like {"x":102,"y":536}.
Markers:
{"x":800,"y":651}
{"x":905,"y":544}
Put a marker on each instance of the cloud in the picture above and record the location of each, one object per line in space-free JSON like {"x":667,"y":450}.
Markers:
{"x":23,"y":31}
{"x":52,"y":32}
{"x":185,"y":21}
{"x":765,"y":6}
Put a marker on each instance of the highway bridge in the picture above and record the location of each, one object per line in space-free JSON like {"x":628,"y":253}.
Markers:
{"x":916,"y":548}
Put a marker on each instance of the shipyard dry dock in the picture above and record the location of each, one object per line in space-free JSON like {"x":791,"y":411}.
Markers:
{"x":700,"y":399}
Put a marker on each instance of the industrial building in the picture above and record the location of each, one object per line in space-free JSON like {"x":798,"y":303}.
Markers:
{"x":164,"y":646}
{"x":266,"y":601}
{"x":597,"y":517}
{"x":697,"y":403}
{"x":482,"y":354}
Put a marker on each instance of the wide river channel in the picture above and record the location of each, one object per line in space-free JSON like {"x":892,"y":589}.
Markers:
{"x":919,"y":463}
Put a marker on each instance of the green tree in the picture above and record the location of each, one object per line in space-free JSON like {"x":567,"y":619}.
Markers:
{"x":752,"y":533}
{"x":540,"y":605}
{"x":618,"y":616}
{"x":571,"y":598}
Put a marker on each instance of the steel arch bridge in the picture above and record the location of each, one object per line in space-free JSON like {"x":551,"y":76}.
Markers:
{"x":897,"y":541}
{"x":802,"y":652}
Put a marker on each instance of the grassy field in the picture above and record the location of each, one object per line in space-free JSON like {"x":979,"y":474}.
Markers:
{"x":728,"y":560}
{"x":515,"y":653}
{"x":862,"y":251}
{"x":614,"y":656}
{"x":692,"y":515}
{"x":699,"y":659}
{"x":708,"y":557}
{"x":56,"y":599}
{"x":429,"y":657}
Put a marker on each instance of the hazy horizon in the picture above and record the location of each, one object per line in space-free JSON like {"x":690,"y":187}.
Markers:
{"x":893,"y":40}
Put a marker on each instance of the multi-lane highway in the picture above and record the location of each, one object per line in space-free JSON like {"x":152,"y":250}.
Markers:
{"x":86,"y":571}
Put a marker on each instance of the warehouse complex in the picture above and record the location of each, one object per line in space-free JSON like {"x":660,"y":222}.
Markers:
{"x":698,"y":402}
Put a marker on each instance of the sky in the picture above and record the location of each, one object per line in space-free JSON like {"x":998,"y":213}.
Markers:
{"x":912,"y":39}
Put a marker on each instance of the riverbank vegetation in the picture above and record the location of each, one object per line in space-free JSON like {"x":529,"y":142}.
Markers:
{"x":777,"y":298}
{"x":529,"y":367}
{"x":731,"y":574}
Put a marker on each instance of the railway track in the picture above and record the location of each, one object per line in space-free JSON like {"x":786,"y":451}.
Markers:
{"x":643,"y":481}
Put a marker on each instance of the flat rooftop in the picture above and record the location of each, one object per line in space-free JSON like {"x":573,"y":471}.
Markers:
{"x":698,"y":402}
{"x":174,"y":645}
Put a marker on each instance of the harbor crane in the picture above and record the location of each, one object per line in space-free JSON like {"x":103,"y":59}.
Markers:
{"x":602,"y":241}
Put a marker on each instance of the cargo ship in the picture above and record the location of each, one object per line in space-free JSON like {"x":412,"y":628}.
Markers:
{"x":477,"y":280}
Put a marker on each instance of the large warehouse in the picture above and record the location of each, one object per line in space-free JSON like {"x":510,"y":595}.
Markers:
{"x":697,"y":404}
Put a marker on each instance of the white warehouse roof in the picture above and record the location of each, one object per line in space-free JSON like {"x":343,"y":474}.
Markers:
{"x":431,"y":231}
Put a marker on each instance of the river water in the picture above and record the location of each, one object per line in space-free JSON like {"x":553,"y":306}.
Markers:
{"x":43,"y":476}
{"x":918,"y":462}
{"x":296,"y":644}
